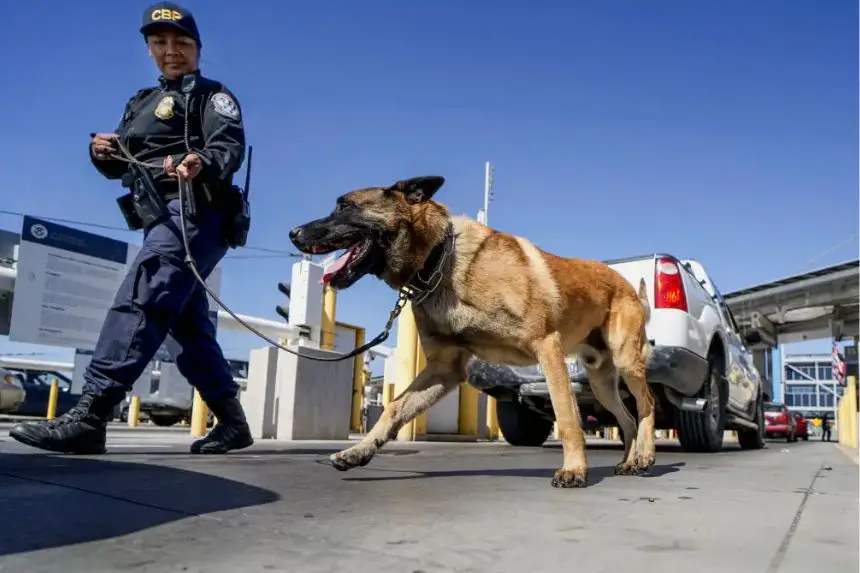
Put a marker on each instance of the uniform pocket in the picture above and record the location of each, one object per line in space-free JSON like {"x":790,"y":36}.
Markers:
{"x":161,"y":286}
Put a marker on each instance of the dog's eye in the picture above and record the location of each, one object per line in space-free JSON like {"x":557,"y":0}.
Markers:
{"x":341,"y":206}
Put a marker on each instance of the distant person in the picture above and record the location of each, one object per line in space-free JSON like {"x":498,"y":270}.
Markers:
{"x":160,"y":296}
{"x":825,"y":427}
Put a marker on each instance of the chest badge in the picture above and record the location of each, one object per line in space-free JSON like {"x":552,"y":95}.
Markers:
{"x":164,"y":109}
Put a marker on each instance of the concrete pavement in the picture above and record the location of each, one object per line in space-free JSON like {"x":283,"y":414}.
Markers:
{"x":149,"y":506}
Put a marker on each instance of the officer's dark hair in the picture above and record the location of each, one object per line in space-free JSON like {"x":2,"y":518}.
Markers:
{"x":155,"y":31}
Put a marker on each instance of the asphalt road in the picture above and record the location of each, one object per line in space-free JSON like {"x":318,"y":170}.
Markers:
{"x":149,"y":506}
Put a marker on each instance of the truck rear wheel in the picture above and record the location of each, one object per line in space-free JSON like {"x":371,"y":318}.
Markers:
{"x":520,"y":425}
{"x":703,"y":431}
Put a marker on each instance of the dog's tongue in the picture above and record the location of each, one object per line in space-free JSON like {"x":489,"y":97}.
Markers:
{"x":336,"y":265}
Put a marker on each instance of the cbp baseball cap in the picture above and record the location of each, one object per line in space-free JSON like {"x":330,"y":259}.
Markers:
{"x":170,"y":14}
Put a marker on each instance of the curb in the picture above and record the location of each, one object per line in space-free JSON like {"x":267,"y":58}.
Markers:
{"x":851,"y":454}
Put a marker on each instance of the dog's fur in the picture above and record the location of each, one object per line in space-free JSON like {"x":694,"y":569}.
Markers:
{"x":503,"y":300}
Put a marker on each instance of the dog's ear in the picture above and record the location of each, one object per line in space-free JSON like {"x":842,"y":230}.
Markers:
{"x":418,"y":189}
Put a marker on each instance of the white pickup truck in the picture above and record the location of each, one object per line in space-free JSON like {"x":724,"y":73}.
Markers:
{"x":701,"y":373}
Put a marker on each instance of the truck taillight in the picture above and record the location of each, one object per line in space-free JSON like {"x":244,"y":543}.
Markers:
{"x":669,"y":286}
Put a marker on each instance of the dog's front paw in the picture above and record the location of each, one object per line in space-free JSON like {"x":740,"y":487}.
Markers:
{"x":353,"y":457}
{"x":570,"y":478}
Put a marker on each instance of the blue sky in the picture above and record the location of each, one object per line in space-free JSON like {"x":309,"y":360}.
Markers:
{"x":616,"y":127}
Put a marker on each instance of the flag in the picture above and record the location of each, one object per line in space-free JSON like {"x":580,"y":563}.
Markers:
{"x":838,"y":365}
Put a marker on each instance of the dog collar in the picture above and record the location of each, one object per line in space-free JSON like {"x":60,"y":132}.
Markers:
{"x":419,"y":288}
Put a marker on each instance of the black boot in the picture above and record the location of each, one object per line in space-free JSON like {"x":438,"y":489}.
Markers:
{"x":231,"y":432}
{"x":81,"y":430}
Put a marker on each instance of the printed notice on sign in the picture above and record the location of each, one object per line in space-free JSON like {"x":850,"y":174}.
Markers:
{"x":66,"y":282}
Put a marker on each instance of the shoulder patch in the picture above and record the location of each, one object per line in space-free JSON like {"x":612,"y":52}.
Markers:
{"x":224,"y":105}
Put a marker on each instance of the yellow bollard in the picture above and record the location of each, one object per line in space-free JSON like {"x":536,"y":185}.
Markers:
{"x":53,"y":395}
{"x":357,"y":384}
{"x":468,"y":416}
{"x":851,"y":411}
{"x":327,"y":324}
{"x":387,"y":394}
{"x":134,"y":411}
{"x":842,"y":423}
{"x":420,"y":362}
{"x":407,"y":344}
{"x":493,"y":432}
{"x":199,"y":414}
{"x":840,"y":417}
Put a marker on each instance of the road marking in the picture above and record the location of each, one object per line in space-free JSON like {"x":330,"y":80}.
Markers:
{"x":786,"y":541}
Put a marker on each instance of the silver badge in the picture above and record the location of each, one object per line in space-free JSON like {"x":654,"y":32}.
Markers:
{"x":225,"y":105}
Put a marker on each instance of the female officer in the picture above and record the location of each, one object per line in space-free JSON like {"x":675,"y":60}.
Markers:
{"x":159,"y":295}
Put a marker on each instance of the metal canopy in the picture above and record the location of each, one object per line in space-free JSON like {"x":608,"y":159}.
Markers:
{"x":823,"y":303}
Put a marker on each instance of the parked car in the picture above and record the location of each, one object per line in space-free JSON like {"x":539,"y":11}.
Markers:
{"x":37,"y":388}
{"x":779,"y":422}
{"x":12,"y":391}
{"x":702,"y":374}
{"x":168,"y":409}
{"x":165,"y":410}
{"x":802,"y":426}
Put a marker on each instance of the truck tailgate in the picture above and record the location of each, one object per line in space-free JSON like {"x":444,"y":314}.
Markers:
{"x":635,"y":269}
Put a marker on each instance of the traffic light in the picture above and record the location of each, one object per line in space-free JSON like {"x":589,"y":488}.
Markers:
{"x":284,"y":311}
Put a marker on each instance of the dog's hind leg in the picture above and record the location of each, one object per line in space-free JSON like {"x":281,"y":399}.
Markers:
{"x":631,"y":352}
{"x":445,"y":370}
{"x":574,"y":469}
{"x":604,"y":384}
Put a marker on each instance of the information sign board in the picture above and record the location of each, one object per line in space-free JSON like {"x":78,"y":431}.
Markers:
{"x":66,"y":281}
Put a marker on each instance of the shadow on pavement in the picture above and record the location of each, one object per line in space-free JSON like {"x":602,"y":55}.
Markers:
{"x":661,"y":447}
{"x":596,"y":474}
{"x":255,"y":452}
{"x":51,"y":501}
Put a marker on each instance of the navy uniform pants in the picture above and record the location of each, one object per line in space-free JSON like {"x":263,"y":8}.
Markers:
{"x":159,"y":297}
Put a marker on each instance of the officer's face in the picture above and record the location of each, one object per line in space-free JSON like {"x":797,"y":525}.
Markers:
{"x":174,"y":54}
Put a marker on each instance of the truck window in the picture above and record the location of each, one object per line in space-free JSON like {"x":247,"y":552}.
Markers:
{"x":731,"y":316}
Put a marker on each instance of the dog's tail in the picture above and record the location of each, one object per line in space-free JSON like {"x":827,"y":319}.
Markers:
{"x":643,"y":298}
{"x":647,"y":349}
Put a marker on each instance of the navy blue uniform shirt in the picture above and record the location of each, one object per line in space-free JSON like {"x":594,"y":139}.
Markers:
{"x":153,"y":126}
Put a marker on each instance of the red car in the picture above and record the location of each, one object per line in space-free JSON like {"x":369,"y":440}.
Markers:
{"x":779,"y":422}
{"x":802,"y":426}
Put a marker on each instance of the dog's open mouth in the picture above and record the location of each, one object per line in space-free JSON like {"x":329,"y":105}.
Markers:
{"x":349,"y":261}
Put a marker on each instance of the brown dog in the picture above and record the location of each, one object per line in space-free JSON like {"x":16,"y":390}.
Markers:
{"x":484,"y":293}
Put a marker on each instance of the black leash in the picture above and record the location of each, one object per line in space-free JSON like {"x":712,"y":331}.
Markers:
{"x":404,"y":295}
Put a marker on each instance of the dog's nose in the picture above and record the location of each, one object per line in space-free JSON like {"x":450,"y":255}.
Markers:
{"x":295,"y":233}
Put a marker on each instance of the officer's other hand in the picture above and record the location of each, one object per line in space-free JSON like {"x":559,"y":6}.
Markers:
{"x":104,"y":145}
{"x":188,"y":169}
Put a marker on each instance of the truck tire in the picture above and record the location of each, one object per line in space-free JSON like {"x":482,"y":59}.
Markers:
{"x":750,"y":439}
{"x":520,"y":425}
{"x":702,"y":432}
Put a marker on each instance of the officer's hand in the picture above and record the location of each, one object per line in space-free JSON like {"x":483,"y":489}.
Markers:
{"x":104,"y":145}
{"x":188,"y":169}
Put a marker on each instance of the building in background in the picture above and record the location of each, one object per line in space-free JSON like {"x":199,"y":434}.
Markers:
{"x":809,"y":386}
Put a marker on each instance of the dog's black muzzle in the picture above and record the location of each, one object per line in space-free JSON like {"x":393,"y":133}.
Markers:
{"x":326,"y":235}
